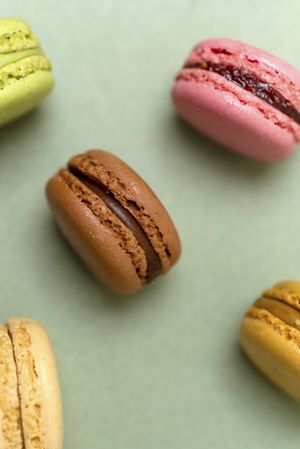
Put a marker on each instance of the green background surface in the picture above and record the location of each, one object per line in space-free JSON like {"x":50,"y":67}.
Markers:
{"x":162,"y":369}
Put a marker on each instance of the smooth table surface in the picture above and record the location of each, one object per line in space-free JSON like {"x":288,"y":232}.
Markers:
{"x":162,"y":369}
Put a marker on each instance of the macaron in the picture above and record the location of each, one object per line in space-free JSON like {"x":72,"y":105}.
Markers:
{"x":113,"y":220}
{"x":30,"y":400}
{"x":25,"y":72}
{"x":243,"y":98}
{"x":270,"y":335}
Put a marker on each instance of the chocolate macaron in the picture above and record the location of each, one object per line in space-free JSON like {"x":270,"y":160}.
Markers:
{"x":113,"y":220}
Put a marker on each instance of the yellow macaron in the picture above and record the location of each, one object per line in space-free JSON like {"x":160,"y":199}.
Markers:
{"x":270,"y":335}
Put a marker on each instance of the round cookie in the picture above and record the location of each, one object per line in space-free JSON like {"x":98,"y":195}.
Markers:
{"x":270,"y":335}
{"x":25,"y":72}
{"x":113,"y":220}
{"x":243,"y":97}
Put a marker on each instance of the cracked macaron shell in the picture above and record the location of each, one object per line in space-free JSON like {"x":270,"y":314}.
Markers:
{"x":270,"y":335}
{"x":245,"y":123}
{"x":25,"y":72}
{"x":91,"y":234}
{"x":38,"y":386}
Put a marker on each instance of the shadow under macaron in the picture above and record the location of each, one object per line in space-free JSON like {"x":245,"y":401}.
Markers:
{"x":14,"y":134}
{"x":268,"y":397}
{"x":253,"y":400}
{"x":217,"y":157}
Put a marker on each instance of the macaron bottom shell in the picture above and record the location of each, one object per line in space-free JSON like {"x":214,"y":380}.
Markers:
{"x":24,"y":95}
{"x":231,"y":122}
{"x":268,"y":344}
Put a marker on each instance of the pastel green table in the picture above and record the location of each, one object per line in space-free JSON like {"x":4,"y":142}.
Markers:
{"x":161,"y":370}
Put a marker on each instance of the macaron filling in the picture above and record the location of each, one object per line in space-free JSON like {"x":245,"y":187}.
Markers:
{"x":21,"y":69}
{"x":154,"y":265}
{"x":248,"y":81}
{"x":11,"y":58}
{"x":286,"y":313}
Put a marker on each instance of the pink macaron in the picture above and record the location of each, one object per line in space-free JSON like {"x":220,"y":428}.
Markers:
{"x":242,"y":97}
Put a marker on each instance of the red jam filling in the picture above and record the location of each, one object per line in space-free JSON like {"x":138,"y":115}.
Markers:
{"x":250,"y":82}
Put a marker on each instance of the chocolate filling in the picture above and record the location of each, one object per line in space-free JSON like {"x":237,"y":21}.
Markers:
{"x":153,"y":261}
{"x":250,"y":82}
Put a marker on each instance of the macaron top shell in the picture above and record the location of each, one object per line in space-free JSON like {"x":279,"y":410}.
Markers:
{"x":268,"y":67}
{"x":15,"y":35}
{"x":40,"y":403}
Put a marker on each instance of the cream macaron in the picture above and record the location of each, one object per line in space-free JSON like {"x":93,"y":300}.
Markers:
{"x":30,"y":399}
{"x":270,"y":335}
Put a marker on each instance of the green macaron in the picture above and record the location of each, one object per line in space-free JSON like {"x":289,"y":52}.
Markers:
{"x":25,"y":72}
